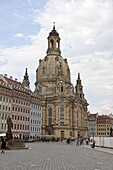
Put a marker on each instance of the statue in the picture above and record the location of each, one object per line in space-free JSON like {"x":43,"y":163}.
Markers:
{"x":9,"y":125}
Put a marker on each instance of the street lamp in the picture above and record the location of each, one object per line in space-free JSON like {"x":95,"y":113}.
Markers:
{"x":92,"y":131}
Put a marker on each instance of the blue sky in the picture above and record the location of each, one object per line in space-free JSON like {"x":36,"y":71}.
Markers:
{"x":86,"y":31}
{"x":17,"y":16}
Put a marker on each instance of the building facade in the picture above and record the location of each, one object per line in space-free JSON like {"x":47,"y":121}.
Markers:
{"x":92,"y":119}
{"x":65,"y":112}
{"x":5,"y":103}
{"x":104,"y":126}
{"x":18,"y":101}
{"x":35,"y":117}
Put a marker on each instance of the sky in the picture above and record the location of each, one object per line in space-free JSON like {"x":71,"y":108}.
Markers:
{"x":86,"y":31}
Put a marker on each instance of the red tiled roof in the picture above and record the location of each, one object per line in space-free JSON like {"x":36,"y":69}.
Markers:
{"x":92,"y":116}
{"x":104,"y":119}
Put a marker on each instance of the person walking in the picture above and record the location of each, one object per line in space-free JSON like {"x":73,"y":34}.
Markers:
{"x":3,"y":145}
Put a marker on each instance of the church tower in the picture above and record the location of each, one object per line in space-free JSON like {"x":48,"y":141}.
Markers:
{"x":79,"y":88}
{"x":26,"y":79}
{"x":65,"y":111}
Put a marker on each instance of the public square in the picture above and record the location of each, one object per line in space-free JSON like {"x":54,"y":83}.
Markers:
{"x":56,"y":156}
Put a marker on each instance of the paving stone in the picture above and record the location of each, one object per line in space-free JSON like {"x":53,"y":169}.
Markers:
{"x":56,"y":156}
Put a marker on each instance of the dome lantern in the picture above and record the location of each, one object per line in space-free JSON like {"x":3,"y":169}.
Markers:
{"x":53,"y":42}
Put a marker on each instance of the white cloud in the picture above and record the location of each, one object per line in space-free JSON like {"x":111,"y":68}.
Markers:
{"x":19,"y":35}
{"x":86,"y":31}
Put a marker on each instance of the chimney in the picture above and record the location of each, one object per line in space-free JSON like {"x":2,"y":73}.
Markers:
{"x":5,"y":75}
{"x":11,"y":77}
{"x":16,"y":79}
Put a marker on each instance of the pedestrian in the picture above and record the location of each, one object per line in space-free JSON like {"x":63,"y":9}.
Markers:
{"x":91,"y":143}
{"x":94,"y":143}
{"x":68,"y":141}
{"x":77,"y":142}
{"x":87,"y":142}
{"x":3,"y":145}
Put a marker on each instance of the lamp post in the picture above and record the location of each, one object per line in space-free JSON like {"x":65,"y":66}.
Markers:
{"x":92,"y":131}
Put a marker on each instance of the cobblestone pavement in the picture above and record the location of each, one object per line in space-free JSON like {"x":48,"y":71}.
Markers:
{"x":55,"y":156}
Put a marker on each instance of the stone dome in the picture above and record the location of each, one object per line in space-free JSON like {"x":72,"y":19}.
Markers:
{"x":54,"y":67}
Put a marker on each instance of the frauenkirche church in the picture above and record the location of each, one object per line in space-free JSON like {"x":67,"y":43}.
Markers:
{"x":65,"y":112}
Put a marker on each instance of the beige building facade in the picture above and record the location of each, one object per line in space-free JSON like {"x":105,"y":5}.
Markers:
{"x":65,"y":113}
{"x":22,"y":105}
{"x":104,"y":126}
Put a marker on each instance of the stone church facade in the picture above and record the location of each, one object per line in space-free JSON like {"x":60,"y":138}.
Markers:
{"x":65,"y":111}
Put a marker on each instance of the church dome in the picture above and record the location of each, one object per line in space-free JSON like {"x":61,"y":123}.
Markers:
{"x":54,"y":67}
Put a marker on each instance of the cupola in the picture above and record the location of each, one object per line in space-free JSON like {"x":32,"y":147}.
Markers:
{"x":53,"y":42}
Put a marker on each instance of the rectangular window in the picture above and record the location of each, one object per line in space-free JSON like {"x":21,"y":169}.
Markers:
{"x":2,"y":126}
{"x":61,"y":123}
{"x":12,"y":116}
{"x":7,"y":99}
{"x":15,"y":126}
{"x":13,"y":108}
{"x":2,"y":116}
{"x":3,"y":107}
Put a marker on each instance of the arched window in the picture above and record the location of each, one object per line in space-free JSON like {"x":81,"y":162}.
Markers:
{"x":61,"y":111}
{"x":61,"y":116}
{"x":50,"y":116}
{"x":61,"y":88}
{"x":57,"y":44}
{"x":51,"y":44}
{"x":50,"y":112}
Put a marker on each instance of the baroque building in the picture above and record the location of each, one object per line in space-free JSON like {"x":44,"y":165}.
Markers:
{"x":65,"y":113}
{"x":22,"y":105}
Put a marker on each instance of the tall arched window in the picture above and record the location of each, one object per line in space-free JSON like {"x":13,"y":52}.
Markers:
{"x":61,"y":111}
{"x":50,"y":116}
{"x":51,"y":44}
{"x":61,"y":116}
{"x":61,"y":88}
{"x":57,"y":44}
